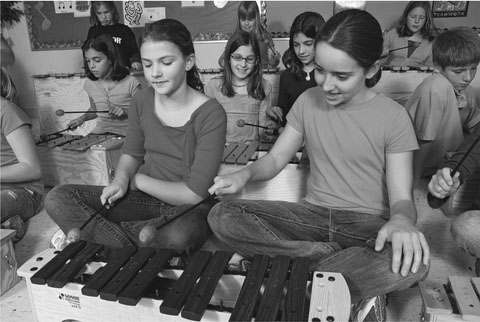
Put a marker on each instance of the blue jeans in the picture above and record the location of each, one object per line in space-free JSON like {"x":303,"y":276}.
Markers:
{"x":71,"y":205}
{"x":19,"y":200}
{"x":334,"y":241}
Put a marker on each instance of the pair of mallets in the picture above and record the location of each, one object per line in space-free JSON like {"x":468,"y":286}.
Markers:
{"x":146,"y":233}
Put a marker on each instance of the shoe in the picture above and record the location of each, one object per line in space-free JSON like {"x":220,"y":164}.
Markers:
{"x":370,"y":310}
{"x":58,"y":240}
{"x":15,"y":223}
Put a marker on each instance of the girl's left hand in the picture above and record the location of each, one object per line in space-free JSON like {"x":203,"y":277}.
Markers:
{"x":117,"y":111}
{"x":275,"y":112}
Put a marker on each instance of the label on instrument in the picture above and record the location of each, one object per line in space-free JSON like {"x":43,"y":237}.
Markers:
{"x":72,"y":300}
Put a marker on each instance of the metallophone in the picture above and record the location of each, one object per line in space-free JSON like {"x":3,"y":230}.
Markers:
{"x":79,"y":159}
{"x":289,"y":185}
{"x":458,"y":300}
{"x":138,"y":284}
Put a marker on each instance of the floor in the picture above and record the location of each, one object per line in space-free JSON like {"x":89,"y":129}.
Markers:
{"x":446,"y":260}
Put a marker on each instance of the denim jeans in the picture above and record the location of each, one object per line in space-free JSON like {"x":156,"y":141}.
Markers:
{"x":71,"y":205}
{"x":19,"y":200}
{"x":334,"y":241}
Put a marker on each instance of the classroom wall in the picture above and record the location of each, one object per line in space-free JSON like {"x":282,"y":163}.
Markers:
{"x":280,"y":15}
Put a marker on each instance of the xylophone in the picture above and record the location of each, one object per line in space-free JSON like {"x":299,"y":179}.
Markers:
{"x":458,"y":300}
{"x":138,"y":284}
{"x":289,"y":185}
{"x":79,"y":159}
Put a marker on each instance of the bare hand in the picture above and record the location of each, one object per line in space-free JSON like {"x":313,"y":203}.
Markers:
{"x":409,"y":246}
{"x":113,"y":192}
{"x":275,"y":112}
{"x":442,"y":184}
{"x":116,"y":111}
{"x":73,"y":124}
{"x":228,"y":184}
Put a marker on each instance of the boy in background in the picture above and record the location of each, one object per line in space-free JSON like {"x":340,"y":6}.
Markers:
{"x":443,"y":107}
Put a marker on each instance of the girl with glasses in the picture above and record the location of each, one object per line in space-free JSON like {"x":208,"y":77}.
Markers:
{"x":242,"y":91}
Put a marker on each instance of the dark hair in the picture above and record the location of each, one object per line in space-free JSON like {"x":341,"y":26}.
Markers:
{"x":249,"y":10}
{"x":110,"y":5}
{"x":8,"y":89}
{"x":456,"y":47}
{"x":308,"y":23}
{"x":175,"y":32}
{"x":357,"y":33}
{"x":255,"y":84}
{"x":104,"y":43}
{"x":428,"y":31}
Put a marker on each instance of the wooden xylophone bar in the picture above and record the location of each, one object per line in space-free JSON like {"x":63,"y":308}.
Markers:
{"x":77,"y":142}
{"x":272,"y":289}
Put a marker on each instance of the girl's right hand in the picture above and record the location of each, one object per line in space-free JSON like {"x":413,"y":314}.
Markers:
{"x":73,"y":124}
{"x":228,"y":184}
{"x":113,"y":192}
{"x":275,"y":112}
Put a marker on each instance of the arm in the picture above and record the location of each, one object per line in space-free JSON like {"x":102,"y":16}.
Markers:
{"x":409,"y":245}
{"x":28,"y":166}
{"x":419,"y":160}
{"x":442,"y":184}
{"x":73,"y":124}
{"x":126,"y":169}
{"x":203,"y":159}
{"x":264,"y":168}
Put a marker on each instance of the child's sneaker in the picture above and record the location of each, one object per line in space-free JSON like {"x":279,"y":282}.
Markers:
{"x":58,"y":240}
{"x":16,"y":223}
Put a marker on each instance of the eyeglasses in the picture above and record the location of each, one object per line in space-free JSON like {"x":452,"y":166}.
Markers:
{"x":248,"y":60}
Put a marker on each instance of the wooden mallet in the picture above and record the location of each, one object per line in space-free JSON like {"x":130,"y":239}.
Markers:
{"x":148,"y":232}
{"x":61,"y":112}
{"x":74,"y":234}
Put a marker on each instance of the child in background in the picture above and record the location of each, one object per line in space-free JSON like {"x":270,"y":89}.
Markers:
{"x":443,"y":107}
{"x":415,"y":32}
{"x":249,"y":21}
{"x":20,"y":173}
{"x":109,"y":87}
{"x":104,"y":18}
{"x":172,"y":152}
{"x":358,"y":217}
{"x":241,"y":89}
{"x":299,"y":61}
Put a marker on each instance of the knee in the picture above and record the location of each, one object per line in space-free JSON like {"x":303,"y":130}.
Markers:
{"x":465,"y":225}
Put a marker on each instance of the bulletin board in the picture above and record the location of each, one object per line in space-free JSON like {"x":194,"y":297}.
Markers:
{"x":50,"y":29}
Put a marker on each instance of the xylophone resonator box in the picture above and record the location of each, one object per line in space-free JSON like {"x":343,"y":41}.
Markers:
{"x":137,"y":284}
{"x":79,"y":159}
